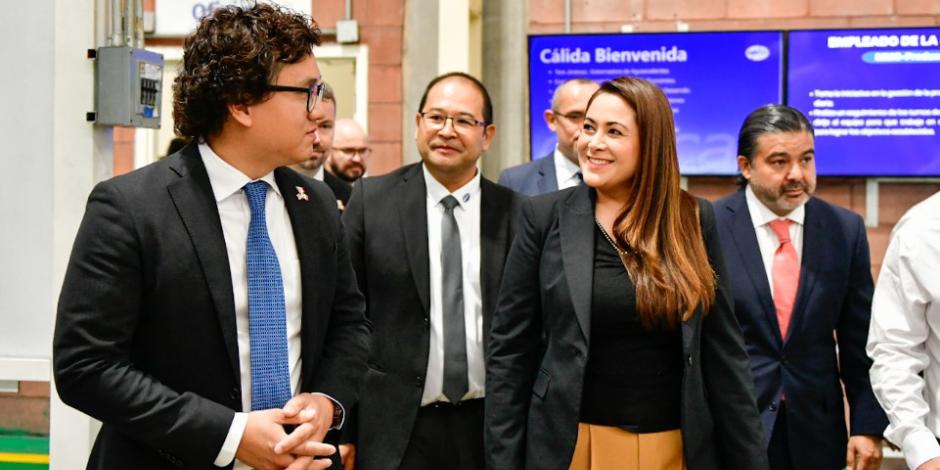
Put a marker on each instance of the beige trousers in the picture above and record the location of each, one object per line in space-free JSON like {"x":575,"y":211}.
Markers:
{"x":612,"y":448}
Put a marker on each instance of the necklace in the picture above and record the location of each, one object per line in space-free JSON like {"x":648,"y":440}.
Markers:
{"x":620,"y":252}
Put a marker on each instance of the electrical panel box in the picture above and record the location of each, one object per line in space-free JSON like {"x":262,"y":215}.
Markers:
{"x":128,"y":87}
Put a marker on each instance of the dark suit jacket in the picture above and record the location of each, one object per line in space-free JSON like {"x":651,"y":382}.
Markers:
{"x":340,"y":188}
{"x":533,"y":178}
{"x":539,"y":350}
{"x":834,"y":295}
{"x":387,"y":229}
{"x":145,"y":336}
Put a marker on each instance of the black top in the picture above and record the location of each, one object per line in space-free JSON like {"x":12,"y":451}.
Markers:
{"x":633,"y":376}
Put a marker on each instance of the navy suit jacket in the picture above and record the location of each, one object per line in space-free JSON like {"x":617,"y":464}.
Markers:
{"x":533,"y":178}
{"x":833,"y":304}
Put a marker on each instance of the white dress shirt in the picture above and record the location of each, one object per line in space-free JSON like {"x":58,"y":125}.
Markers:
{"x":319,"y":174}
{"x":235,"y":214}
{"x":566,"y":171}
{"x":761,"y":217}
{"x":904,"y":336}
{"x":467,"y":214}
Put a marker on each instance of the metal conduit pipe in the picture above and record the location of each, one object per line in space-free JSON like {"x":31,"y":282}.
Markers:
{"x":116,"y":32}
{"x":129,"y":20}
{"x":138,"y":23}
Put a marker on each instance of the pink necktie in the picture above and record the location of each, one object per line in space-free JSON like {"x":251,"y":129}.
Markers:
{"x":786,"y":274}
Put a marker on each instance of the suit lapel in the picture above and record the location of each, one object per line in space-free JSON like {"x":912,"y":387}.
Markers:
{"x":813,"y":237}
{"x":307,"y":217}
{"x":494,"y":243}
{"x":576,"y":225}
{"x":413,"y":220}
{"x":745,"y":240}
{"x":195,"y":203}
{"x":547,"y":182}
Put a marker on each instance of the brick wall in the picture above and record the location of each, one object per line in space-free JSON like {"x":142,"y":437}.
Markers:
{"x":380,"y":28}
{"x":26,"y":410}
{"x":547,"y":16}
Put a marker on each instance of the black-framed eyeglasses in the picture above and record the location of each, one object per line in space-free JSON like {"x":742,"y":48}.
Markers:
{"x":436,"y":120}
{"x":314,"y":93}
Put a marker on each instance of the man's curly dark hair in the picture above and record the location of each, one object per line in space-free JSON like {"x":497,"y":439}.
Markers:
{"x":231,"y":58}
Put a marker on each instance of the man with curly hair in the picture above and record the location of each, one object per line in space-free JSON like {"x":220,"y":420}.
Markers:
{"x":209,"y":314}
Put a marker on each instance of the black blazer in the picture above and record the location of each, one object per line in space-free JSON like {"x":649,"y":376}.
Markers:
{"x":340,"y":188}
{"x":145,"y":336}
{"x":539,"y":348}
{"x":834,"y":295}
{"x":387,"y":229}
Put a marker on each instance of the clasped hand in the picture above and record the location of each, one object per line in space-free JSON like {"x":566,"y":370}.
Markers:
{"x":265,"y":445}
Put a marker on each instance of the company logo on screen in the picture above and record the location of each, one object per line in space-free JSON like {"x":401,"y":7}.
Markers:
{"x":757,"y":52}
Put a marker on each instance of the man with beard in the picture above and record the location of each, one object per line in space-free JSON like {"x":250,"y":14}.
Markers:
{"x":325,"y":116}
{"x":800,"y":272}
{"x":350,"y":154}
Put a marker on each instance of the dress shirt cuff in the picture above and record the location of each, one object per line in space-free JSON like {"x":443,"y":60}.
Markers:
{"x":920,"y":446}
{"x":234,"y":437}
{"x":339,"y":413}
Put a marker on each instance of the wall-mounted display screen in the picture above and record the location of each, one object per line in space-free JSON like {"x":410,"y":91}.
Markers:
{"x":873,"y":97}
{"x":713,"y":80}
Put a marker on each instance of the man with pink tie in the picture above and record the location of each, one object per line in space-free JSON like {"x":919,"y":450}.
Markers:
{"x":800,"y":273}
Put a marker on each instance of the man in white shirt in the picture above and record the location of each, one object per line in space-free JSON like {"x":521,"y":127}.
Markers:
{"x":209,"y":314}
{"x":903,"y":341}
{"x":559,"y":169}
{"x":800,"y":274}
{"x":428,"y":243}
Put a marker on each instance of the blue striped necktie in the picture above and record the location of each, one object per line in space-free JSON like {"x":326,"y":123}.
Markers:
{"x":267,"y":319}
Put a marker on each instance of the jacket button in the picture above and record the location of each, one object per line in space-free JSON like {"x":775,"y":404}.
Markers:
{"x":234,"y":395}
{"x":419,"y":381}
{"x":773,"y":406}
{"x":427,"y":322}
{"x":689,"y":360}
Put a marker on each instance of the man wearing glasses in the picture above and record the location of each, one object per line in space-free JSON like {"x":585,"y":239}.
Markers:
{"x":209,"y":313}
{"x":559,"y":169}
{"x":428,"y":243}
{"x":351,"y":151}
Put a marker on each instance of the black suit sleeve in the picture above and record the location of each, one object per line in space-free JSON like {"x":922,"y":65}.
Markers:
{"x":726,"y":368}
{"x":98,"y":312}
{"x":515,"y":349}
{"x":866,"y":415}
{"x":354,"y":223}
{"x":343,"y":361}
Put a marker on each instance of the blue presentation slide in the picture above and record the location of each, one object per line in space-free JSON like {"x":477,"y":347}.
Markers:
{"x":712,"y":80}
{"x":873,"y":97}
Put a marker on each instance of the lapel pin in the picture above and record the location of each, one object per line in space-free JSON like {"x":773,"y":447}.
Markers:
{"x":301,"y":195}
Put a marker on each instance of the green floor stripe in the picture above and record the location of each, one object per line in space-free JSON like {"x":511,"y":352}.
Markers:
{"x":23,"y":466}
{"x":24,"y":445}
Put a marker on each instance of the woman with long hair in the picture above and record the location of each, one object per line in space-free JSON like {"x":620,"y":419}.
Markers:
{"x":613,"y":344}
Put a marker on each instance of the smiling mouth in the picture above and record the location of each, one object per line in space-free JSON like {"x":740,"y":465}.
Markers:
{"x":596,"y":161}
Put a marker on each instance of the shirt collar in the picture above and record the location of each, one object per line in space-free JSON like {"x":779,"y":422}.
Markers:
{"x":225,"y":178}
{"x":319,"y":174}
{"x":762,"y":215}
{"x":564,"y":168}
{"x":437,"y":191}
